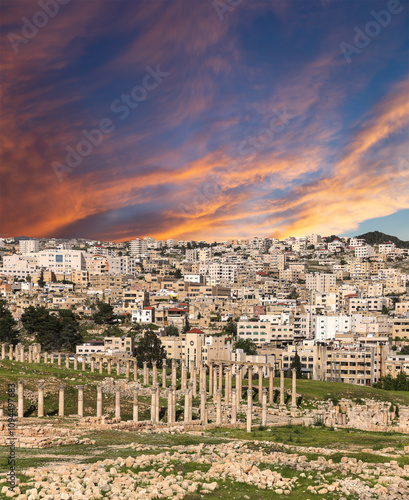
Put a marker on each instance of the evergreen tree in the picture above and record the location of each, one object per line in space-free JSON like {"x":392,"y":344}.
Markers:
{"x":150,"y":349}
{"x":52,"y":331}
{"x":296,"y":363}
{"x":230,"y":328}
{"x":41,"y":281}
{"x":105,"y":314}
{"x":8,"y":330}
{"x":172,"y":331}
{"x":248,"y":346}
{"x":186,"y":326}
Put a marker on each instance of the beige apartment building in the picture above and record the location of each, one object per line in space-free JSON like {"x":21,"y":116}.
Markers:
{"x":261,"y":332}
{"x":400,"y":328}
{"x":352,"y":365}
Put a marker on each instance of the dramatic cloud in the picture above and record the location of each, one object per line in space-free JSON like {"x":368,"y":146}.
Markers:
{"x":201,"y":128}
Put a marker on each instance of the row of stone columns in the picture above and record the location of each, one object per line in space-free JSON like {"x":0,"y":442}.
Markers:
{"x":155,"y":403}
{"x":213,"y":383}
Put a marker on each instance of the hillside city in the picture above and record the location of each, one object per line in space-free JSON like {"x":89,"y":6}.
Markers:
{"x":335,"y":308}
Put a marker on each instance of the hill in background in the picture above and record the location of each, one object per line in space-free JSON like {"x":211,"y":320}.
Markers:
{"x":376,"y":237}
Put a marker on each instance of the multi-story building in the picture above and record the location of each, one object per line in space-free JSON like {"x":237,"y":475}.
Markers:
{"x":326,"y":327}
{"x":138,"y":247}
{"x":262,"y":332}
{"x":360,"y":365}
{"x":28,"y":246}
{"x":320,"y":282}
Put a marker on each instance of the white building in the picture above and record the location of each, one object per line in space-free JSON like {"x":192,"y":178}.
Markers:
{"x":386,"y":248}
{"x":327,"y":326}
{"x":19,"y":266}
{"x":363,"y":252}
{"x":222,"y":273}
{"x":28,"y":246}
{"x":138,"y":247}
{"x":61,"y":261}
{"x":145,"y":315}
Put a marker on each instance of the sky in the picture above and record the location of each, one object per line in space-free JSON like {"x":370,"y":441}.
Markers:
{"x":204,"y":119}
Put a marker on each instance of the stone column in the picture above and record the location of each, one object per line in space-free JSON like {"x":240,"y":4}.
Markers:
{"x":118,"y":367}
{"x":202,"y":378}
{"x":203,"y":406}
{"x":67,"y":362}
{"x":234,"y":406}
{"x":11,"y":352}
{"x":145,"y":373}
{"x":99,"y":400}
{"x":41,"y":398}
{"x":45,"y":357}
{"x":22,"y":354}
{"x":20,"y":399}
{"x":249,"y":409}
{"x":128,"y":369}
{"x":271,"y":385}
{"x":135,"y":405}
{"x":3,"y":351}
{"x":260,"y":383}
{"x":135,"y":371}
{"x":118,"y":403}
{"x":194,"y":381}
{"x":174,"y":373}
{"x":187,"y":411}
{"x":164,"y":373}
{"x":221,"y":377}
{"x":75,"y":362}
{"x":61,"y":401}
{"x":2,"y":410}
{"x":250,"y":378}
{"x":190,"y":396}
{"x":101,"y":364}
{"x":264,"y":407}
{"x":170,"y":404}
{"x":239,"y":383}
{"x":214,"y":386}
{"x":219,"y":407}
{"x":59,"y":359}
{"x":184,"y":378}
{"x":109,"y":365}
{"x":52,"y":358}
{"x":153,"y":405}
{"x":92,"y":364}
{"x":282,"y":388}
{"x":38,"y":357}
{"x":80,"y":400}
{"x":30,"y":355}
{"x":210,"y":379}
{"x":294,"y":390}
{"x":154,"y":373}
{"x":157,"y":405}
{"x":83,"y":363}
{"x":227,"y":393}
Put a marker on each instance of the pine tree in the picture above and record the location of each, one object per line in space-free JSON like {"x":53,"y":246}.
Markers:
{"x":8,"y":330}
{"x":296,"y":363}
{"x":41,"y":281}
{"x":150,"y":349}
